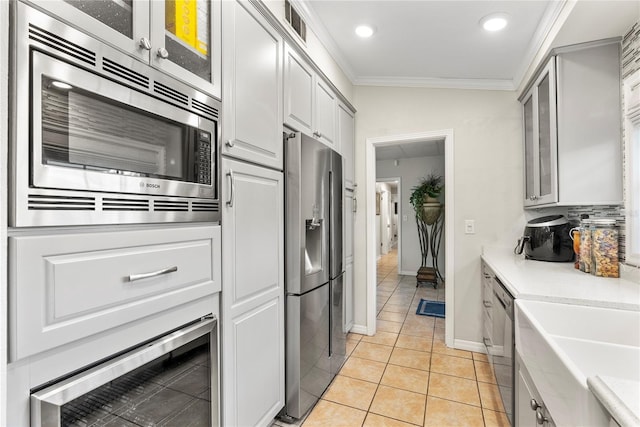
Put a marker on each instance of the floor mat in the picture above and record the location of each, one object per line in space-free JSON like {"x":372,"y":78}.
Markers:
{"x":430,"y":308}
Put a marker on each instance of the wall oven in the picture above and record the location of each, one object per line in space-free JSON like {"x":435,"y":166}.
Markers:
{"x":172,"y":380}
{"x":101,"y":138}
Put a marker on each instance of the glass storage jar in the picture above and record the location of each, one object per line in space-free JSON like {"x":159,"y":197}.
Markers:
{"x":585,"y":246}
{"x":604,"y":248}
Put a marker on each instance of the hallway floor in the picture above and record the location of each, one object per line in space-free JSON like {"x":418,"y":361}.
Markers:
{"x":405,"y":375}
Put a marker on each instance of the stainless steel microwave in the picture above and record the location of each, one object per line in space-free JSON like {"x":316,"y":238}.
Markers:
{"x":100,"y":137}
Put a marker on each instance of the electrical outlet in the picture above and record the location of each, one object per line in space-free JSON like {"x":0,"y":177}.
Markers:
{"x":469,"y":226}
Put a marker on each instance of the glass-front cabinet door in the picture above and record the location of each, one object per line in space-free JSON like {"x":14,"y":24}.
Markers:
{"x":180,"y":37}
{"x":540,"y":139}
{"x":186,"y":35}
{"x":121,"y":23}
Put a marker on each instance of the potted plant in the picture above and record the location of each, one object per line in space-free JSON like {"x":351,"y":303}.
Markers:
{"x":424,"y":198}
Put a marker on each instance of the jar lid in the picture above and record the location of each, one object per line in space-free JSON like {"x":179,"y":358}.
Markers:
{"x":603,"y":221}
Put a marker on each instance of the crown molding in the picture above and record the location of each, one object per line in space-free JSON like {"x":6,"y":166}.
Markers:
{"x":479,"y":84}
{"x":547,"y":23}
{"x":323,"y":35}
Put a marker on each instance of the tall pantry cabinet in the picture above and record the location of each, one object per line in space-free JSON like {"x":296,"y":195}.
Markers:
{"x":253,"y":218}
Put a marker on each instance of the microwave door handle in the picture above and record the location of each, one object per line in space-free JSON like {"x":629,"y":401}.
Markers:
{"x":232,"y":187}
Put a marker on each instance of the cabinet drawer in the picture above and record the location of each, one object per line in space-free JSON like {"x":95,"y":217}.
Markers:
{"x":66,"y":287}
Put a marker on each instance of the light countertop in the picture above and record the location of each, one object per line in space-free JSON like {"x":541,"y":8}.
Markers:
{"x":562,"y":283}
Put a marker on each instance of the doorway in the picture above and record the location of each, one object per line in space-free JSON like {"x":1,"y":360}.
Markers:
{"x":370,"y":168}
{"x":388,"y":226}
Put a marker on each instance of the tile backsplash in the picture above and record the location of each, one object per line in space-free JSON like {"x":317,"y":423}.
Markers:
{"x":630,"y":63}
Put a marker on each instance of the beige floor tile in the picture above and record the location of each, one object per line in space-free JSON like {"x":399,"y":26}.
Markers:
{"x":495,"y":419}
{"x":413,"y":342}
{"x":332,"y":414}
{"x":416,"y":330}
{"x":391,"y":316}
{"x":374,"y":420}
{"x":439,"y":322}
{"x":409,"y":379}
{"x":490,"y":396}
{"x":451,"y":365}
{"x":351,"y":345}
{"x":411,"y":409}
{"x":382,"y":338}
{"x":381,"y":293}
{"x":396,"y":308}
{"x":387,"y":326}
{"x":440,"y":347}
{"x":354,"y":336}
{"x":426,"y":321}
{"x":483,"y":372}
{"x":410,"y":358}
{"x":481,"y":357}
{"x":377,"y":352}
{"x":441,"y":413}
{"x":363,"y":369}
{"x":351,"y":392}
{"x":454,"y":388}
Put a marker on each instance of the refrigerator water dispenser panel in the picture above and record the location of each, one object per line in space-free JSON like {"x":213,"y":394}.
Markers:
{"x":313,"y":250}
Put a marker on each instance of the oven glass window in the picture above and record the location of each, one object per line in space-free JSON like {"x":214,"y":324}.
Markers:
{"x":174,"y":390}
{"x":85,"y":130}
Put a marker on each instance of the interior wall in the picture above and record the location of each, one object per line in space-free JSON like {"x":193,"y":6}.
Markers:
{"x":411,"y":171}
{"x":487,"y":158}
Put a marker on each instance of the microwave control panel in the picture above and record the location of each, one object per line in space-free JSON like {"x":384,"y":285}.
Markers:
{"x":204,"y":157}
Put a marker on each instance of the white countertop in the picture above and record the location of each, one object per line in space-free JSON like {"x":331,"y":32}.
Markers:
{"x":560,"y":282}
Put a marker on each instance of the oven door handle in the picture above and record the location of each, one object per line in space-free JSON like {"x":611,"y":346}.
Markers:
{"x":47,"y":402}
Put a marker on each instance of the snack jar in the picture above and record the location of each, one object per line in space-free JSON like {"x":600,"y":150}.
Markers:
{"x":604,"y":248}
{"x":585,"y":245}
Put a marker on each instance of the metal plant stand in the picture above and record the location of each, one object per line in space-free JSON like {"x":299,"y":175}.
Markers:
{"x":430,"y":236}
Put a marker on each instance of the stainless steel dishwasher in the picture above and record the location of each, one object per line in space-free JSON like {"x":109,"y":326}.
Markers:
{"x":498,"y":336}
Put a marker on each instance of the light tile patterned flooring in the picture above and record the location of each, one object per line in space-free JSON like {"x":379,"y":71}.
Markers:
{"x":405,"y":375}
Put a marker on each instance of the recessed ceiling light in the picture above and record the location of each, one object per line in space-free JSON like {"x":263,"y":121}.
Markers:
{"x":61,"y":85}
{"x":494,"y":22}
{"x":364,"y":31}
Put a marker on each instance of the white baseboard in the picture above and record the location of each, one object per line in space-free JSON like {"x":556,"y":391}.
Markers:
{"x":469,"y":346}
{"x":408,"y":273}
{"x":359,"y":329}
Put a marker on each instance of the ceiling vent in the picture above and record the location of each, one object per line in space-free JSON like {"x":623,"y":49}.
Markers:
{"x":293,"y":18}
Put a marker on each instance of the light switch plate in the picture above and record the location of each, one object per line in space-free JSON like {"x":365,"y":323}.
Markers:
{"x":469,"y":226}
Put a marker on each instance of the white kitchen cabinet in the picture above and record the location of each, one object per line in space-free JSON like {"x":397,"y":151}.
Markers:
{"x":572,"y":137}
{"x":346,"y":128}
{"x":298,"y":92}
{"x":252,"y":92}
{"x":348,"y":254}
{"x":71,"y":286}
{"x":252,"y":294}
{"x":310,"y":104}
{"x":185,"y":43}
{"x":530,"y":409}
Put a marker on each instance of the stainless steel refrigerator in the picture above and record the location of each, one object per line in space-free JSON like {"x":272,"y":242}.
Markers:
{"x":314,"y":271}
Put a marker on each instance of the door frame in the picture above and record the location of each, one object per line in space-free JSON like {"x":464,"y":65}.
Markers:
{"x":399,"y":181}
{"x":370,"y":173}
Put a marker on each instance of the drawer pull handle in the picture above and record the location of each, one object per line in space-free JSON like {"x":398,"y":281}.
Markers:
{"x":134,"y":277}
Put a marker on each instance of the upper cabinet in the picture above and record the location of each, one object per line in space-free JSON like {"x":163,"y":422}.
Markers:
{"x":572,"y":128}
{"x":181,"y":38}
{"x":252,"y":120}
{"x":346,"y":122}
{"x":310,"y":104}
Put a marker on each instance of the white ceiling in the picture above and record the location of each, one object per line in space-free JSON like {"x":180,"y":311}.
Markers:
{"x":440,"y":43}
{"x":410,"y":150}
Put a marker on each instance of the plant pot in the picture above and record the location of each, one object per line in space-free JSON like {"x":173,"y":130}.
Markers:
{"x":430,"y":212}
{"x":430,"y":199}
